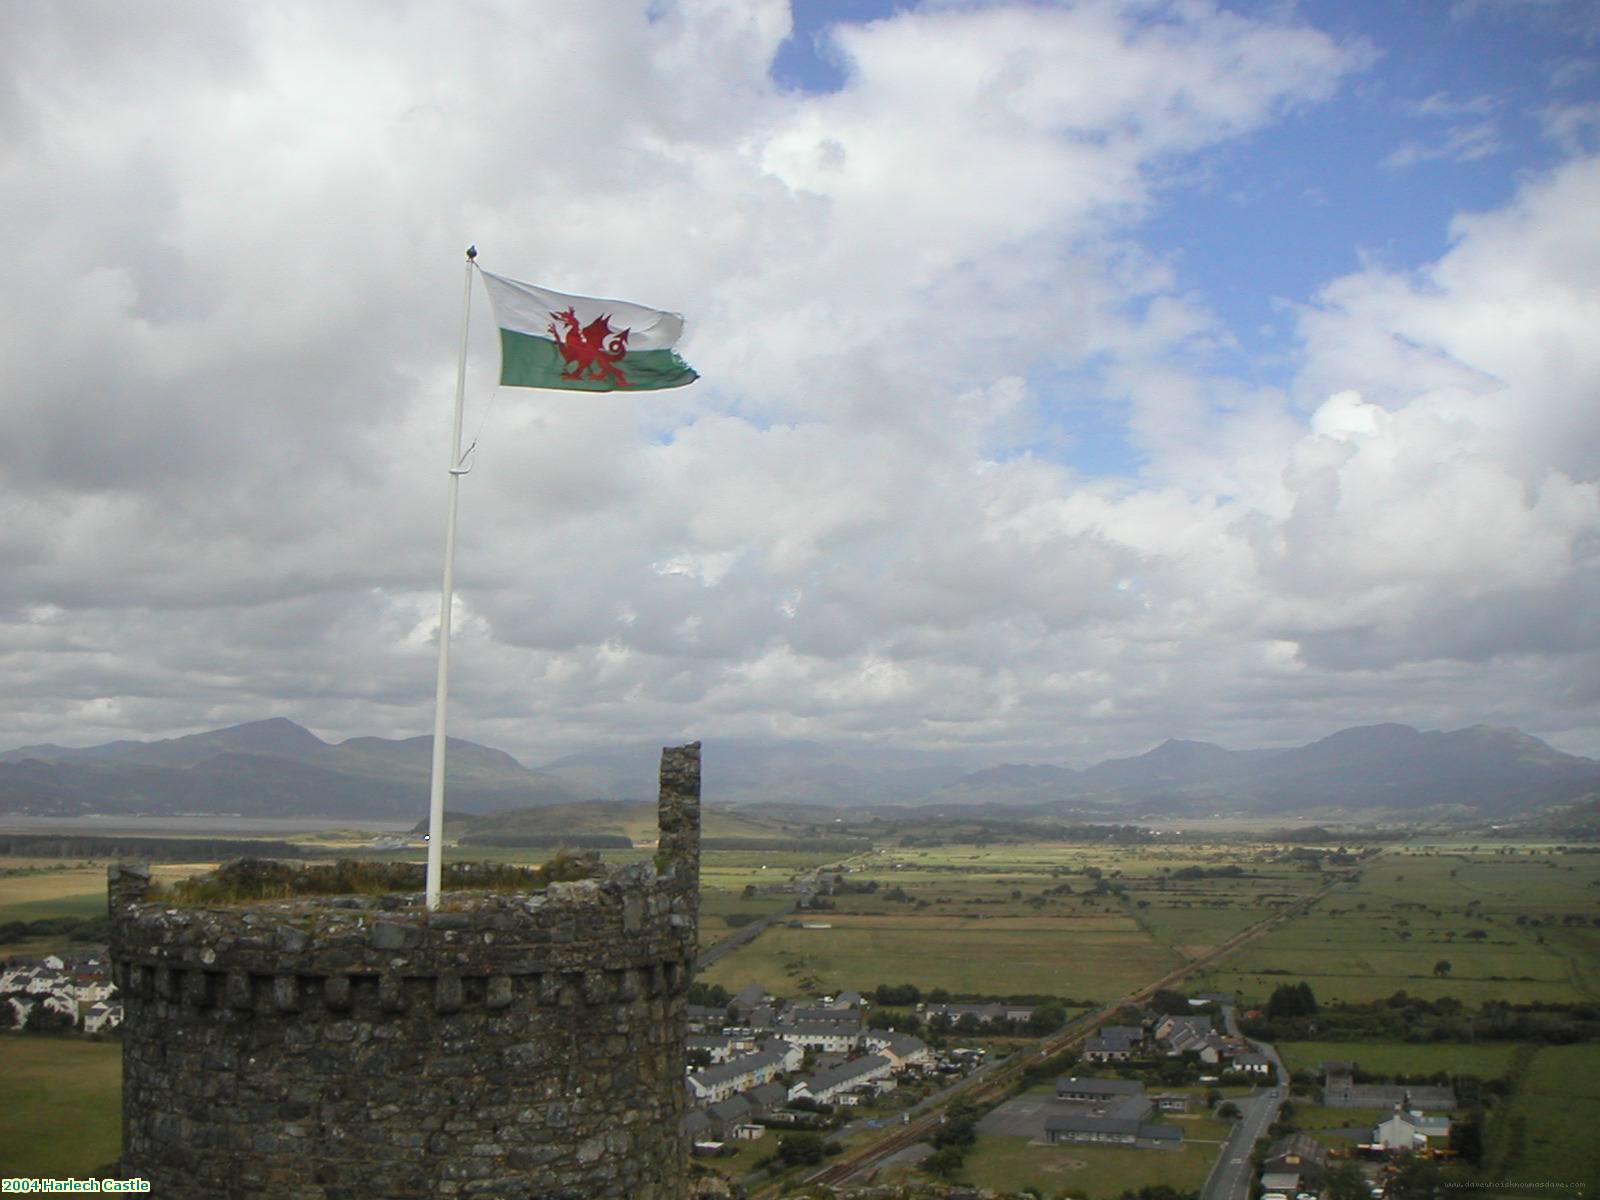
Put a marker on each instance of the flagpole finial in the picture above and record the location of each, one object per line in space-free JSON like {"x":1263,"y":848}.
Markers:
{"x":472,"y":252}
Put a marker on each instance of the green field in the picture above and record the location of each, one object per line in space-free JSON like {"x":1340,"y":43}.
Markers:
{"x":1085,"y":921}
{"x":63,"y":1105}
{"x":1062,"y":958}
{"x":1008,"y":1164}
{"x":1487,"y":1060}
{"x":1514,"y":927}
{"x":1548,"y":1137}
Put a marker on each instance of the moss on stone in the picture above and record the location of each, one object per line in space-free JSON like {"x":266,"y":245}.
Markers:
{"x":247,"y":880}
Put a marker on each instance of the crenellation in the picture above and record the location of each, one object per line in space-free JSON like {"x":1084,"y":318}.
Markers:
{"x":506,"y":1044}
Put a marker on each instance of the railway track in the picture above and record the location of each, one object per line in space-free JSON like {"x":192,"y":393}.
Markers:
{"x":995,"y":1084}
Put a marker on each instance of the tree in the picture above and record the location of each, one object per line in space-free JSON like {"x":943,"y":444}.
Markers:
{"x":800,"y":1149}
{"x":1419,"y":1179}
{"x":945,"y":1161}
{"x":1170,"y":1003}
{"x":710,"y":995}
{"x":1291,"y":1000}
{"x":1344,"y":1181}
{"x":904,"y":994}
{"x":46,"y":1020}
{"x":1442,"y":968}
{"x":1466,"y":1136}
{"x":1047,"y":1018}
{"x":1228,"y":1111}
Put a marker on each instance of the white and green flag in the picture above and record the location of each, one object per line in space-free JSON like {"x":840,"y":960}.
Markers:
{"x":578,"y":343}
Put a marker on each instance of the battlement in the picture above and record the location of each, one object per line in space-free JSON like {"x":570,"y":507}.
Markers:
{"x":509,"y":1043}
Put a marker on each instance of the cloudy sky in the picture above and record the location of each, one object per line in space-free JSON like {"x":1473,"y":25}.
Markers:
{"x":1075,"y":375}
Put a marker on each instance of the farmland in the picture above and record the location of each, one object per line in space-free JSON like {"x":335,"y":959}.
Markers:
{"x":1085,"y":922}
{"x":1089,"y":922}
{"x":1509,"y":923}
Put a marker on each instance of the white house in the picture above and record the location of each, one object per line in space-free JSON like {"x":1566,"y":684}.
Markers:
{"x":832,"y":1086}
{"x":716,"y":1084}
{"x":901,"y":1049}
{"x":101,"y":1016}
{"x":826,"y":1037}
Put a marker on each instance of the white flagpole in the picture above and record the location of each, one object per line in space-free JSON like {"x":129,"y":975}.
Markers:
{"x":447,"y":592}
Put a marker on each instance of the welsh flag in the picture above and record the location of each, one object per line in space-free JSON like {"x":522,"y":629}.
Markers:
{"x":552,"y":340}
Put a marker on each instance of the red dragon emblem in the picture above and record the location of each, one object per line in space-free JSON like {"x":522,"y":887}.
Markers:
{"x":593,"y":351}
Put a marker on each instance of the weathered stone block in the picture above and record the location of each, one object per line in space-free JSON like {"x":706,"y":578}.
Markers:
{"x":514,"y":1046}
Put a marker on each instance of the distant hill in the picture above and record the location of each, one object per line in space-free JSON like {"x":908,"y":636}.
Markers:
{"x":778,"y":772}
{"x":1569,"y":823}
{"x":266,"y":768}
{"x":1392,"y":768}
{"x":276,"y":767}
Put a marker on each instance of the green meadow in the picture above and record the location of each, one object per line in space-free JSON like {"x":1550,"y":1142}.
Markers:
{"x":63,"y":1105}
{"x":1547,"y":1136}
{"x":1487,"y":1060}
{"x":1479,"y":926}
{"x":1090,"y":922}
{"x":1009,"y":1164}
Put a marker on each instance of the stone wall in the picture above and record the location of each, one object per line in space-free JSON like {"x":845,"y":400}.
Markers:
{"x":506,"y":1045}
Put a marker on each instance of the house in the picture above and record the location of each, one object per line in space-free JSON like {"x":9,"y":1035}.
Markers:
{"x":706,"y":1018}
{"x":720,"y":1048}
{"x":1254,"y":1064}
{"x":750,"y":996}
{"x":849,"y":1000}
{"x":1398,"y":1132}
{"x":1098,"y":1091}
{"x":834,"y":1085}
{"x":102,"y":1017}
{"x":1296,"y":1157}
{"x":844,"y":1018}
{"x":826,"y":1037}
{"x":1407,"y":1130}
{"x":1100,"y":1049}
{"x":981,"y":1014}
{"x":901,"y":1049}
{"x":769,"y":1097}
{"x":715,"y":1084}
{"x":1194,"y":1026}
{"x":727,"y":1114}
{"x":1175,"y":1102}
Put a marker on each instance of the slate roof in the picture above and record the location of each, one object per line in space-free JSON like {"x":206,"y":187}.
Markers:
{"x":767,"y":1096}
{"x":1123,"y":1126}
{"x":735,"y":1067}
{"x":734,"y":1108}
{"x":1105,"y":1088}
{"x":845,"y":1072}
{"x":749,"y":996}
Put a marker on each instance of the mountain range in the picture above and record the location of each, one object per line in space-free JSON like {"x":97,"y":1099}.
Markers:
{"x":276,"y":767}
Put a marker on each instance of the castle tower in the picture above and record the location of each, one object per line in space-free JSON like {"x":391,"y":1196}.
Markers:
{"x":508,"y":1045}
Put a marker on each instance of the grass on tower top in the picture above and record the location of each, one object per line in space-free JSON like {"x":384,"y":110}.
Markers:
{"x":245,"y":880}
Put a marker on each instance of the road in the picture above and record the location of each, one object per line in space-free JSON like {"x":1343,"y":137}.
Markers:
{"x":1232,"y":1177}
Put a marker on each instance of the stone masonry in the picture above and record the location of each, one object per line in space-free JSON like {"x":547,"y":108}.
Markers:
{"x":515,"y":1045}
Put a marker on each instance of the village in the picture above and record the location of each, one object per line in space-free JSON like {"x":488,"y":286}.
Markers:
{"x":825,"y":1066}
{"x":52,"y":992}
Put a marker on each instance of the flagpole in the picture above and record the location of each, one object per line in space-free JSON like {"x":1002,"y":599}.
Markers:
{"x":446,"y":596}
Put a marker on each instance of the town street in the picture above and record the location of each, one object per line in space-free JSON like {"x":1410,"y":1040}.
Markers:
{"x":1232,"y":1177}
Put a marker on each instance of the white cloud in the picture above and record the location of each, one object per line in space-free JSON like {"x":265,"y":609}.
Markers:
{"x":228,"y":389}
